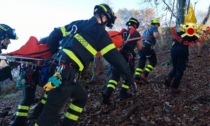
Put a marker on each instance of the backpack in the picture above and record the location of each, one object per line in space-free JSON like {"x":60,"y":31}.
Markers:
{"x":117,"y":38}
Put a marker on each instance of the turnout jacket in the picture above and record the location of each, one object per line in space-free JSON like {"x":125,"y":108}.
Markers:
{"x":89,"y":38}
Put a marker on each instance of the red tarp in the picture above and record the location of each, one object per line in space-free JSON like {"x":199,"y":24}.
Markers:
{"x":32,"y":49}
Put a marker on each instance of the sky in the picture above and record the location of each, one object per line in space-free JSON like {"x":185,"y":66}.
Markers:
{"x":39,"y":17}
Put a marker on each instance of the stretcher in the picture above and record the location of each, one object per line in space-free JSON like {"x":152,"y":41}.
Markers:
{"x":31,"y":53}
{"x":24,"y":60}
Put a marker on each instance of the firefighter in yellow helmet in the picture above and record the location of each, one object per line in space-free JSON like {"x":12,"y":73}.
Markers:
{"x":81,"y":40}
{"x":147,"y":52}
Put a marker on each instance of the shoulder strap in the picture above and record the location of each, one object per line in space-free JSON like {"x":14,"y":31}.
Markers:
{"x":75,"y":29}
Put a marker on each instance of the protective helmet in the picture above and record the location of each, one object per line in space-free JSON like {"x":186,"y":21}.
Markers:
{"x":7,"y":32}
{"x":155,"y":21}
{"x":132,"y":21}
{"x":107,"y":11}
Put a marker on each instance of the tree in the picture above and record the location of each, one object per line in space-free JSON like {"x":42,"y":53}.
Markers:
{"x":206,"y":17}
{"x":144,"y":16}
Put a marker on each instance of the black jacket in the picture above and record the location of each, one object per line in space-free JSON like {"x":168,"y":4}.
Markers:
{"x":97,"y":37}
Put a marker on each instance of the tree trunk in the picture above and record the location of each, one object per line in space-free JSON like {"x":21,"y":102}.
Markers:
{"x":172,"y":13}
{"x":181,"y":10}
{"x":187,"y":5}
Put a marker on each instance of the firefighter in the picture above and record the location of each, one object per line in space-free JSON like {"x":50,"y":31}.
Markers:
{"x":33,"y":76}
{"x":179,"y":56}
{"x":147,"y":52}
{"x":180,"y":50}
{"x":82,"y":40}
{"x":127,"y":51}
{"x":6,"y":33}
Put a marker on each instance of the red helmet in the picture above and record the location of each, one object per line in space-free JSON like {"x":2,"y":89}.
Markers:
{"x":107,"y":11}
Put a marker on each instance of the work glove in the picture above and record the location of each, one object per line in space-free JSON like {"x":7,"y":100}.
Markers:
{"x":132,"y":31}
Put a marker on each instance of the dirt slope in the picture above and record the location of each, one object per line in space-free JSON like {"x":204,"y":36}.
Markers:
{"x":153,"y":105}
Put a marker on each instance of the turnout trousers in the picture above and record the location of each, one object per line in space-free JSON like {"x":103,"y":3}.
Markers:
{"x":57,"y":98}
{"x":146,"y":53}
{"x":115,"y":76}
{"x":179,"y":57}
{"x":29,"y":90}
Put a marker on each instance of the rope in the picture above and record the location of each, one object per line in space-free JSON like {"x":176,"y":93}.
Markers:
{"x":203,"y":38}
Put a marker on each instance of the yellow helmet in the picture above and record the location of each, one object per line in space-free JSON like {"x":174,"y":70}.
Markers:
{"x":155,"y":21}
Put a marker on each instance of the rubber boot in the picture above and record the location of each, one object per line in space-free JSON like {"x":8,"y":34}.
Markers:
{"x":124,"y":94}
{"x":144,"y":78}
{"x":167,"y":82}
{"x":137,"y":79}
{"x":106,"y":94}
{"x":19,"y":121}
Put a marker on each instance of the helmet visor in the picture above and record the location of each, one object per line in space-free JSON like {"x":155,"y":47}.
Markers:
{"x":12,"y":34}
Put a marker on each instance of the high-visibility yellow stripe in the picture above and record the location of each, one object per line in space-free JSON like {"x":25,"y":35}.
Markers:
{"x":85,"y":44}
{"x":150,"y":66}
{"x":111,"y":86}
{"x":64,"y":32}
{"x":71,"y":116}
{"x":137,"y":73}
{"x":139,"y":69}
{"x":103,"y":8}
{"x":21,"y":114}
{"x":23,"y":107}
{"x":134,"y":21}
{"x":36,"y":124}
{"x":147,"y":69}
{"x":75,"y":108}
{"x":43,"y":101}
{"x":113,"y":81}
{"x":107,"y":49}
{"x":74,"y":58}
{"x":45,"y":95}
{"x":3,"y":28}
{"x":125,"y":86}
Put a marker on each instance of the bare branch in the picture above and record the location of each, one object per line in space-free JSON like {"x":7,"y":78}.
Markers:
{"x":207,"y":16}
{"x":169,"y":8}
